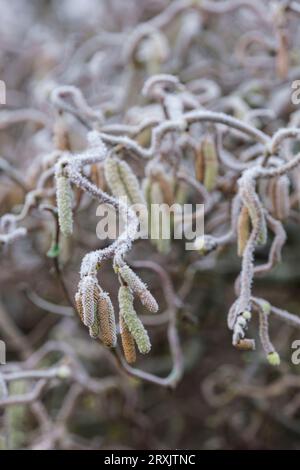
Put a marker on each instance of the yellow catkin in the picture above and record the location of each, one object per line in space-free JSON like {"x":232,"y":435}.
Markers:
{"x":243,"y":230}
{"x":211,"y":163}
{"x":107,"y":323}
{"x":282,"y":57}
{"x":122,"y":181}
{"x":97,"y":176}
{"x":166,"y":184}
{"x":16,"y":417}
{"x":159,"y":225}
{"x":271,"y":193}
{"x":131,"y":183}
{"x":133,"y":323}
{"x":199,"y":164}
{"x":60,"y":135}
{"x":127,"y":343}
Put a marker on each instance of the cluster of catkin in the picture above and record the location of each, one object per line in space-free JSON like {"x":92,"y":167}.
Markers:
{"x":96,"y":311}
{"x":93,"y":304}
{"x":131,"y":328}
{"x":260,"y":197}
{"x":157,"y":189}
{"x":123,"y":183}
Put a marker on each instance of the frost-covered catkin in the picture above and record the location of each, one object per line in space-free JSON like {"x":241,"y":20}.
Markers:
{"x":90,"y":296}
{"x":106,"y":317}
{"x":279,"y":192}
{"x":94,"y":330}
{"x":138,"y":287}
{"x":131,"y":183}
{"x":243,"y":230}
{"x":79,"y":306}
{"x":64,"y":203}
{"x":122,"y":181}
{"x":96,"y":311}
{"x":127,"y":343}
{"x":133,"y":323}
{"x":111,"y":171}
{"x":159,"y":216}
{"x":166,"y":183}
